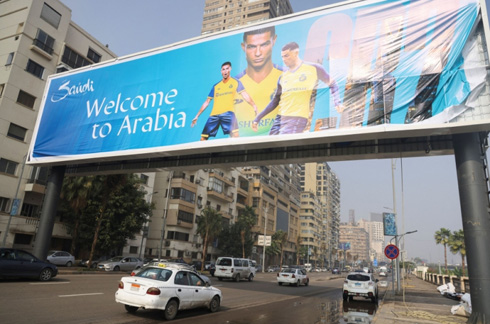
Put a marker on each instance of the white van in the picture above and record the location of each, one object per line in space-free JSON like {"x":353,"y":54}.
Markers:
{"x":234,"y":268}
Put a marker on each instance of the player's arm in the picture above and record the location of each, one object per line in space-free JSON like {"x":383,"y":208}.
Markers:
{"x":203,"y":107}
{"x":270,"y":107}
{"x":334,"y":89}
{"x":249,"y":99}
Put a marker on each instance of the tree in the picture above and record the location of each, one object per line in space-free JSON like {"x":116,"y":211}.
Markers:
{"x":114,"y":211}
{"x":456,"y":245}
{"x":209,"y":226}
{"x":246,"y":220}
{"x":442,"y":237}
{"x":280,"y":238}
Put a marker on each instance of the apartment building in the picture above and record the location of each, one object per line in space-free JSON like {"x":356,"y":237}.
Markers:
{"x":37,"y":38}
{"x":376,"y":238}
{"x":226,"y":14}
{"x":359,"y":243}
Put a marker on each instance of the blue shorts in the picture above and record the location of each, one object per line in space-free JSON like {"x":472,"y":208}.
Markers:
{"x":288,"y":125}
{"x":226,"y":120}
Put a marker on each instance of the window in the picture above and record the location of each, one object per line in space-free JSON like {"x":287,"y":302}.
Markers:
{"x":4,"y":204}
{"x":185,"y":216}
{"x":2,"y":86}
{"x":216,"y":185}
{"x":29,"y":210}
{"x":51,"y":16}
{"x":26,"y":99}
{"x":171,"y":235}
{"x":24,"y":239}
{"x":39,"y":175}
{"x":144,"y":179}
{"x":44,"y":42}
{"x":35,"y":69}
{"x":133,"y":249}
{"x":10,"y":58}
{"x":73,"y":59}
{"x":183,"y":194}
{"x":17,"y":132}
{"x":7,"y":166}
{"x":93,"y":56}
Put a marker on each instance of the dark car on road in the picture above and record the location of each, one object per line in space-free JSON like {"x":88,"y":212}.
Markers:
{"x":15,"y":263}
{"x":335,"y":271}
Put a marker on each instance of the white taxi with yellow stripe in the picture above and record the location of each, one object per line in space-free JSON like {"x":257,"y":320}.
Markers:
{"x":167,"y":287}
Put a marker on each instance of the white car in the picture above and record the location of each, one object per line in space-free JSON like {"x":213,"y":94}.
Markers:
{"x":61,"y":258}
{"x":293,"y":276}
{"x":120,"y":263}
{"x":360,"y":284}
{"x":167,"y":287}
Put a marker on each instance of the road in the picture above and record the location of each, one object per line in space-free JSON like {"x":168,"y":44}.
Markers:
{"x":89,"y":298}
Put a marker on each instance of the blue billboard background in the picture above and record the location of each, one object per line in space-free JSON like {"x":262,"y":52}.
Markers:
{"x":146,"y":103}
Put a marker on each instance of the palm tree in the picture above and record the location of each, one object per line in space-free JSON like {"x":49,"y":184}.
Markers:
{"x":442,"y":237}
{"x":76,"y":191}
{"x":456,"y":245}
{"x":246,"y":220}
{"x":280,"y":238}
{"x":208,"y":227}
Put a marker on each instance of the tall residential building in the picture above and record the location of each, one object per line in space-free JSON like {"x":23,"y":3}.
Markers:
{"x":319,"y":179}
{"x":37,"y":38}
{"x":226,"y":14}
{"x":376,"y":238}
{"x":359,"y":243}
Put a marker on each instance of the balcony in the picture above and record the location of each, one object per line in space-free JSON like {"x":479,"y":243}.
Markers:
{"x":220,"y":195}
{"x":220,"y":176}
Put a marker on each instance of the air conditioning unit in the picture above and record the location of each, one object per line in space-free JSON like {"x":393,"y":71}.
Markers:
{"x":198,"y":181}
{"x":167,"y":243}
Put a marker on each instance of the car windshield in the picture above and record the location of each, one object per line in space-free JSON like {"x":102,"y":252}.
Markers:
{"x":115,"y":259}
{"x":288,"y":270}
{"x":357,"y":277}
{"x":224,"y":262}
{"x":155,"y":274}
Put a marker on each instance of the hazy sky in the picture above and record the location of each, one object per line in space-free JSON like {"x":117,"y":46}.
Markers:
{"x":429,"y":197}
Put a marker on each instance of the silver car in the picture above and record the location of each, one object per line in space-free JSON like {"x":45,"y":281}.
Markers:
{"x":61,"y":258}
{"x":120,"y":263}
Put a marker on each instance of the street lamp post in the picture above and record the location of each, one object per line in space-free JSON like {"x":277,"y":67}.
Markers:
{"x":266,"y":209}
{"x":170,"y":176}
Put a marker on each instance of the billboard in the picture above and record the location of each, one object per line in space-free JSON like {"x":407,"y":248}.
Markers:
{"x":355,"y":68}
{"x":389,"y":224}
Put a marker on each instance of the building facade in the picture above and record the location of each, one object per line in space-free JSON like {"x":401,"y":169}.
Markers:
{"x":37,"y":38}
{"x":220,"y":15}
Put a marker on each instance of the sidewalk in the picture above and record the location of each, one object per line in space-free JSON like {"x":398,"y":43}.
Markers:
{"x":419,"y":302}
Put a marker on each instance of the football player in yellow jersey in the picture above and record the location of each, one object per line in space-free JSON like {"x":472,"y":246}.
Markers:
{"x":295,"y":90}
{"x":223,"y":112}
{"x":259,"y":79}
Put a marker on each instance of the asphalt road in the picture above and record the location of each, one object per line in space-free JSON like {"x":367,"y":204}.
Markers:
{"x":89,"y":298}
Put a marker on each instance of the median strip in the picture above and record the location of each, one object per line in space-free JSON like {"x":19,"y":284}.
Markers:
{"x":78,"y":295}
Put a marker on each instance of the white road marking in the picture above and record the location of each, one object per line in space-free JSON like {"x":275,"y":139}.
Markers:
{"x":49,"y":283}
{"x":78,"y":295}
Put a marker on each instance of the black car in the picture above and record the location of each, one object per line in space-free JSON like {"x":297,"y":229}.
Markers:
{"x":15,"y":263}
{"x":335,"y":271}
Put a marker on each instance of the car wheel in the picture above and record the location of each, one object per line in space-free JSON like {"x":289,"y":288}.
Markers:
{"x":68,"y":264}
{"x":220,"y":279}
{"x":351,"y":298}
{"x":171,"y":310}
{"x":279,"y":283}
{"x":116,"y":268}
{"x":297,"y":283}
{"x":214,"y":304}
{"x":251,"y":277}
{"x":94,"y":266}
{"x":46,"y":274}
{"x":373,"y":300}
{"x":131,"y":309}
{"x":237,"y":278}
{"x":307,"y":282}
{"x":345,"y":297}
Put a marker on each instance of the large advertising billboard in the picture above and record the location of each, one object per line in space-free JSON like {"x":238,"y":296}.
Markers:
{"x":353,"y":68}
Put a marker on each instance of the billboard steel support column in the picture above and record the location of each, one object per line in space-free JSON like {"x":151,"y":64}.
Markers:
{"x":474,"y":202}
{"x":48,"y":213}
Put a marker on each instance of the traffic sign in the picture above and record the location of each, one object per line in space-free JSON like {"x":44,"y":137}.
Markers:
{"x":392,"y":251}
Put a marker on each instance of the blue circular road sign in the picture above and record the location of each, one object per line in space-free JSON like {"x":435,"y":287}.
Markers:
{"x":392,"y":251}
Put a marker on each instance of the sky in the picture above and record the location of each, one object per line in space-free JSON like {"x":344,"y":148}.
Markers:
{"x":426,"y":188}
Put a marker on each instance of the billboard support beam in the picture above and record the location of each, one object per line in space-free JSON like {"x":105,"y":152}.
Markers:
{"x":474,"y":202}
{"x":48,"y":213}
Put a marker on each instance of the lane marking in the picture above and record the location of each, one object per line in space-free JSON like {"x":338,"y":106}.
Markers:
{"x":49,"y":283}
{"x":78,"y":295}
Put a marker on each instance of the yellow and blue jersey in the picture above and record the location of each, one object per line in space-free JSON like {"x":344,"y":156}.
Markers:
{"x":224,"y":94}
{"x":261,"y":93}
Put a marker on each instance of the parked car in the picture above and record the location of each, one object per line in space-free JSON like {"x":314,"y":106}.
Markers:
{"x":15,"y":263}
{"x":61,"y":258}
{"x":234,"y":268}
{"x":208,"y":264}
{"x":95,"y":261}
{"x":335,"y":271}
{"x":293,"y":276}
{"x":360,"y":284}
{"x":167,"y":287}
{"x":120,"y":263}
{"x":273,"y":268}
{"x":382,"y":274}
